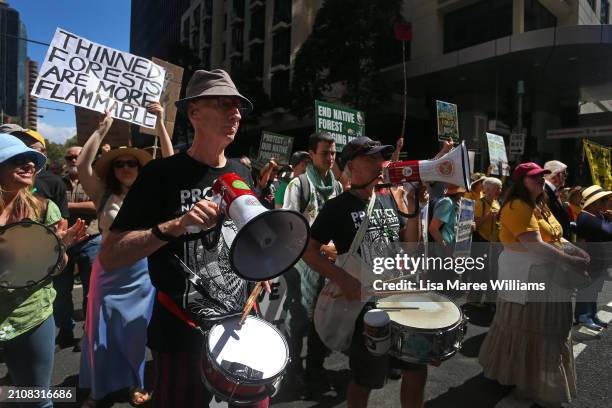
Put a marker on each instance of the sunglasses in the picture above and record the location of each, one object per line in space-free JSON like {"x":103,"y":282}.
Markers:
{"x":20,"y":160}
{"x":68,"y":158}
{"x":119,"y":164}
{"x":226,"y":103}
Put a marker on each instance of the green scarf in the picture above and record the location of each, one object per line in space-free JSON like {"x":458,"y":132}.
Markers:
{"x":324,"y":187}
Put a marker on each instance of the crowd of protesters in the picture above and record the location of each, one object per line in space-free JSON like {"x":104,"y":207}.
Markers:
{"x":121,"y":215}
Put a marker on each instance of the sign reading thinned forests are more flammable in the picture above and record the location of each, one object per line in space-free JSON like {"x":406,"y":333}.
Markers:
{"x":83,"y":73}
{"x":341,"y":122}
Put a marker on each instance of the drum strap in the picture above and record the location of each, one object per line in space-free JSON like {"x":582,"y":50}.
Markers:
{"x":172,"y":307}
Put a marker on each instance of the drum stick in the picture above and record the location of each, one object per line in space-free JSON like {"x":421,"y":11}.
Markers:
{"x":251,"y":301}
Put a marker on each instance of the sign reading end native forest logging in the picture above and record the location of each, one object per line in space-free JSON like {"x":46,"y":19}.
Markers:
{"x":341,"y":122}
{"x":82,"y":73}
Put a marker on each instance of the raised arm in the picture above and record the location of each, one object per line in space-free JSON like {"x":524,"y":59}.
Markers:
{"x":164,"y":138}
{"x":93,"y":186}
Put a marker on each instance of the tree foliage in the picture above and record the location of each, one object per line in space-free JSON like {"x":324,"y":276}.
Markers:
{"x":347,"y":46}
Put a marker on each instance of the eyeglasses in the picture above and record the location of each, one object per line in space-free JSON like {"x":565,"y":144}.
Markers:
{"x":226,"y":103}
{"x":119,"y":164}
{"x":71,"y":157}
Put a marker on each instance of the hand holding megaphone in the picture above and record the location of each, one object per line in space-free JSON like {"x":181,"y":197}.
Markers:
{"x":202,"y":216}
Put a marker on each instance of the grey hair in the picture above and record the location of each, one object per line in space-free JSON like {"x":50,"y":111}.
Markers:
{"x":490,"y":182}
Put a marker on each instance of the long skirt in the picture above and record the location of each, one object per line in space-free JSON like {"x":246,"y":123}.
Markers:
{"x":529,"y":345}
{"x":114,"y":343}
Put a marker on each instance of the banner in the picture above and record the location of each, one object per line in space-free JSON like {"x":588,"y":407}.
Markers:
{"x":275,"y":146}
{"x":170,"y":94}
{"x":497,"y":154}
{"x":463,"y":231}
{"x":448,"y":121}
{"x":83,"y":73}
{"x":343,"y":123}
{"x":599,"y":163}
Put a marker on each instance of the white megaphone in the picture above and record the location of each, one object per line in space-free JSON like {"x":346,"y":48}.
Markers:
{"x":268,"y":242}
{"x":453,"y":168}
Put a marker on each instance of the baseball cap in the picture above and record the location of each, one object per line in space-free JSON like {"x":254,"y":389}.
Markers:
{"x":364,"y":146}
{"x":528,"y":169}
{"x":16,"y":130}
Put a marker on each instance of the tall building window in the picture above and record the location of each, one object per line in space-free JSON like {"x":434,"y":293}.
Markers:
{"x":208,"y":6}
{"x":280,"y":88}
{"x":281,"y":46}
{"x":258,"y":21}
{"x":282,"y":11}
{"x":235,"y":65}
{"x":605,"y":12}
{"x":239,"y":8}
{"x":186,"y":25}
{"x":481,"y":22}
{"x":593,"y":4}
{"x":257,"y":58}
{"x":537,"y":16}
{"x":208,"y":32}
{"x":206,"y":57}
{"x":237,"y":36}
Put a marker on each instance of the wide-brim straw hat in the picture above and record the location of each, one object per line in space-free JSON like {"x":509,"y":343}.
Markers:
{"x":454,"y":189}
{"x":592,"y":194}
{"x":103,"y":164}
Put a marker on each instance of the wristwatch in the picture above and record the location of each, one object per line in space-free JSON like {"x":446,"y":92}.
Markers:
{"x":162,"y":236}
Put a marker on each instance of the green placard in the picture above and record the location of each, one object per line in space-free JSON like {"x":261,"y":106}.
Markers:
{"x":341,"y":122}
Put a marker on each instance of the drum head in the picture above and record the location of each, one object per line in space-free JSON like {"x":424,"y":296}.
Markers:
{"x":432,"y":310}
{"x":254,"y":352}
{"x":29,"y":253}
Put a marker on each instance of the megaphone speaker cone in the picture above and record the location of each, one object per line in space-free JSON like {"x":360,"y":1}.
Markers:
{"x":268,"y":244}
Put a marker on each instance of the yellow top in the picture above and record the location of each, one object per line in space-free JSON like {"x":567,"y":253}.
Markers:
{"x":472,"y":195}
{"x":488,"y":229}
{"x":519,"y":217}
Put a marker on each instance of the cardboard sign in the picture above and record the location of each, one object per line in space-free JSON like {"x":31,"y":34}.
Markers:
{"x":517,"y":143}
{"x":463,"y":231}
{"x":448,"y":121}
{"x":170,"y":94}
{"x":343,"y":123}
{"x":83,"y":73}
{"x":87,"y":122}
{"x":275,"y":146}
{"x":497,"y":154}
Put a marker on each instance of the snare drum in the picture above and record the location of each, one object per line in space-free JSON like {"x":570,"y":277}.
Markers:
{"x":244,"y":364}
{"x":425,"y":327}
{"x":30,"y":253}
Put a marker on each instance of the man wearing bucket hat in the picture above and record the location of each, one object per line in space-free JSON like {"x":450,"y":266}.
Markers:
{"x":555,"y":180}
{"x":594,"y":229}
{"x":46,"y":184}
{"x":339,"y":221}
{"x":170,"y":195}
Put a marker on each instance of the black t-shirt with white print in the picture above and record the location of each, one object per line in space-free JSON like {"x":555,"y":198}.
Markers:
{"x":340,"y":218}
{"x":166,"y":189}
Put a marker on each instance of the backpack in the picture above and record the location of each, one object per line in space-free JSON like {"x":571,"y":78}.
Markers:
{"x":305,"y":191}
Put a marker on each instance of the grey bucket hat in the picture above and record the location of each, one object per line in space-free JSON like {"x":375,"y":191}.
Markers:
{"x":211,"y":83}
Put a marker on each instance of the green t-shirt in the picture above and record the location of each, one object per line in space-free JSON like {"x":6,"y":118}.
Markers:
{"x":23,"y":309}
{"x":279,"y":195}
{"x":445,"y":210}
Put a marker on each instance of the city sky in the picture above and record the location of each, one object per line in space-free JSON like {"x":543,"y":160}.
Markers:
{"x":105,"y":22}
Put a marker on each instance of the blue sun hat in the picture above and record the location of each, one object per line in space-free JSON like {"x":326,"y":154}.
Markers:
{"x":10,"y":147}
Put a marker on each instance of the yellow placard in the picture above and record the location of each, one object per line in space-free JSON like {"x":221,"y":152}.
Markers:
{"x":599,"y":162}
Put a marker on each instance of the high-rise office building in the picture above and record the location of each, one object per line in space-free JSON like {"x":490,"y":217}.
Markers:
{"x":31,"y":102}
{"x":13,"y":53}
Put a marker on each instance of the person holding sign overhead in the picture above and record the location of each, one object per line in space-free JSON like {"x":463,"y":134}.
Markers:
{"x":195,"y":281}
{"x":120,"y":303}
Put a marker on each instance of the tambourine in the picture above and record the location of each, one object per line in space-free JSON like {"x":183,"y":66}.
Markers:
{"x":30,"y":253}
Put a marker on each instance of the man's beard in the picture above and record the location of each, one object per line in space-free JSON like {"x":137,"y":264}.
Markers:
{"x":72,"y":171}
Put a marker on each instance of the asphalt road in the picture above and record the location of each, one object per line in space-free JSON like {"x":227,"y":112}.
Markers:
{"x":457,"y":383}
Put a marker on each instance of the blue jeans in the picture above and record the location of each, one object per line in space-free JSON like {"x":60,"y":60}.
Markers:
{"x":82,"y":255}
{"x":29,"y":358}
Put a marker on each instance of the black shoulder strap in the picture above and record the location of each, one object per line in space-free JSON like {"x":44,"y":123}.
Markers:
{"x":304,"y":191}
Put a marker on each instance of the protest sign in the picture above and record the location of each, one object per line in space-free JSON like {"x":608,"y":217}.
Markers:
{"x":87,"y":122}
{"x":448,"y":121}
{"x":83,"y":73}
{"x":170,"y":94}
{"x":497,"y":154}
{"x":517,"y":143}
{"x":463,"y":230}
{"x":343,"y":123}
{"x":598,"y":157}
{"x":275,"y":146}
